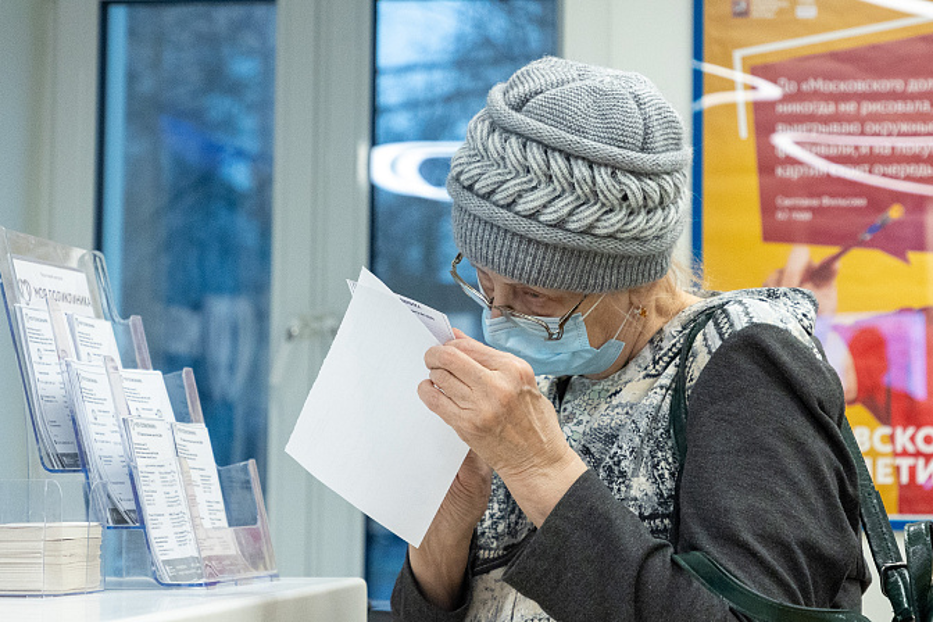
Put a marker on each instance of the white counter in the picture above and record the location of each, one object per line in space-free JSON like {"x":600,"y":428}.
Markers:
{"x":282,"y":600}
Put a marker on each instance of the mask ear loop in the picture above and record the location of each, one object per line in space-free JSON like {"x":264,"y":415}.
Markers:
{"x":638,"y":311}
{"x":595,"y":304}
{"x":635,"y":312}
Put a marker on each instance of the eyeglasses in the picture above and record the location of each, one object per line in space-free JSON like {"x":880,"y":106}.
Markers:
{"x":547,"y":331}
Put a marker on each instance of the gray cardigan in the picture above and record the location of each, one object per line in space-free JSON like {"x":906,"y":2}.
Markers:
{"x":768,"y":489}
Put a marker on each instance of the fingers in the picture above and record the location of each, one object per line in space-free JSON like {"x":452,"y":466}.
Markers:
{"x":774,"y":279}
{"x":458,"y":364}
{"x":440,"y":404}
{"x":488,"y":357}
{"x":492,"y":359}
{"x":450,"y":385}
{"x":459,"y":334}
{"x":798,"y":262}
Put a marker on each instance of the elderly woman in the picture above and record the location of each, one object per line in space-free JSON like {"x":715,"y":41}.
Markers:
{"x":567,"y":199}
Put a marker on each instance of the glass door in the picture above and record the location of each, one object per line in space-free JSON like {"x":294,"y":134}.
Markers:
{"x":185,"y":197}
{"x":434,"y":63}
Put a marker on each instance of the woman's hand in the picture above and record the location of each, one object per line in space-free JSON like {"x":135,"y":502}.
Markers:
{"x":440,"y":562}
{"x":490,"y":398}
{"x":800,"y":271}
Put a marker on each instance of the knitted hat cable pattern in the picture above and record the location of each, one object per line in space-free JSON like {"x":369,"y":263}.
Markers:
{"x":573,"y":176}
{"x":571,"y":193}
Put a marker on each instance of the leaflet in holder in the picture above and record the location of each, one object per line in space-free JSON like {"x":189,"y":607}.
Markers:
{"x":42,"y":287}
{"x":93,"y":339}
{"x":102,"y":394}
{"x":38,"y":282}
{"x":193,"y":446}
{"x":163,"y":502}
{"x":143,"y":393}
{"x":52,"y":413}
{"x":96,"y":421}
{"x":217,"y":541}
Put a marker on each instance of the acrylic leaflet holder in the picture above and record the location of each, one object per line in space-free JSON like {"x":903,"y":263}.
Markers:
{"x":49,"y":543}
{"x":35,"y":273}
{"x":170,"y":516}
{"x":198,"y":524}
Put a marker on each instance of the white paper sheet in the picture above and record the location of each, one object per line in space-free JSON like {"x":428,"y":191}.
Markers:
{"x":145,"y":394}
{"x":93,"y":339}
{"x":364,"y":432}
{"x":47,"y":374}
{"x":193,"y":444}
{"x":162,"y":495}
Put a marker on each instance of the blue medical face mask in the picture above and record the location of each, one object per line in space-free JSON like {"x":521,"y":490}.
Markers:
{"x":570,"y":355}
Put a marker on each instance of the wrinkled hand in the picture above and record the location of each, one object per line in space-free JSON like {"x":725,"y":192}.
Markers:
{"x":800,"y":272}
{"x":439,"y":563}
{"x":490,"y":398}
{"x":466,"y":499}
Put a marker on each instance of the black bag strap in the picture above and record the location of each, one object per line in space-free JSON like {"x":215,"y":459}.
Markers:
{"x":747,"y":601}
{"x":679,"y":398}
{"x":919,"y":547}
{"x":895,"y":579}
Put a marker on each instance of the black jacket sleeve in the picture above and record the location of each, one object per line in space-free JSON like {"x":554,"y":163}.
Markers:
{"x":408,"y":603}
{"x":768,"y":490}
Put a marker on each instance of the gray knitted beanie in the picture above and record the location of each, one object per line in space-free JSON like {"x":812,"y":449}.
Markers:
{"x":572,"y":177}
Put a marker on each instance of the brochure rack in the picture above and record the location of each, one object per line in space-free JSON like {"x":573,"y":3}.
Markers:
{"x":33,"y":270}
{"x":239,"y":552}
{"x":39,"y":276}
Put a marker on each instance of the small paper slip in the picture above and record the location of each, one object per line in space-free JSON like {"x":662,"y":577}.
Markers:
{"x":145,"y":394}
{"x":434,"y":320}
{"x":93,"y":339}
{"x":193,"y":445}
{"x":54,"y":415}
{"x":163,"y":500}
{"x":363,"y":430}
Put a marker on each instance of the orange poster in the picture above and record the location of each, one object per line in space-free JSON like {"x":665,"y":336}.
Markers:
{"x":814,"y":145}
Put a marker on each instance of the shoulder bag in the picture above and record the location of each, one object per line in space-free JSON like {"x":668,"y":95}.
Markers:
{"x":906,"y":584}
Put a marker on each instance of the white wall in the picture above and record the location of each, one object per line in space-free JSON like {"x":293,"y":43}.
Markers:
{"x":22,"y":68}
{"x":20,"y":34}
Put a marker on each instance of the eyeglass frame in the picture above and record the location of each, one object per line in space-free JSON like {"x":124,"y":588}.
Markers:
{"x":507,"y":311}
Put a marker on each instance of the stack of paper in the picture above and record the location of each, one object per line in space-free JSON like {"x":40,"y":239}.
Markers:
{"x":49,"y":558}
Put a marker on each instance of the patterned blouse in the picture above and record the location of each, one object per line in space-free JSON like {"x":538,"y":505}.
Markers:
{"x":620,"y":427}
